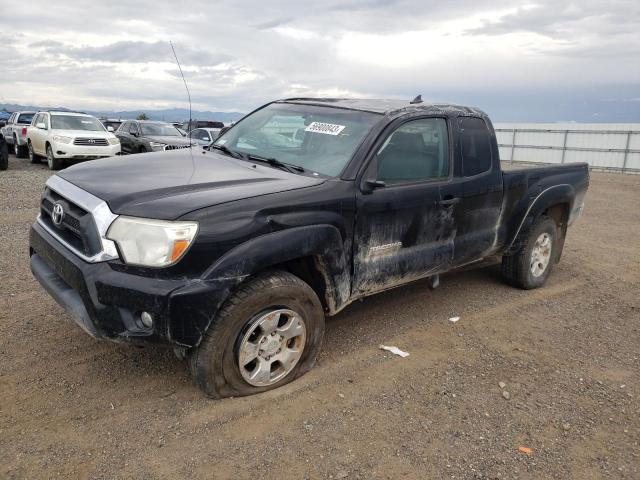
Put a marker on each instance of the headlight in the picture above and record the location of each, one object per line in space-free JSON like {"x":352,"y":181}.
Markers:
{"x":157,"y":144}
{"x":61,"y":139}
{"x":114,"y":141}
{"x":151,"y":243}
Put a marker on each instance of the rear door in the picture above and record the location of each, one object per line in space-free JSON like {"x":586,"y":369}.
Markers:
{"x":403,"y":231}
{"x":123,"y":134}
{"x":7,"y":130}
{"x":37,"y":134}
{"x":476,"y":191}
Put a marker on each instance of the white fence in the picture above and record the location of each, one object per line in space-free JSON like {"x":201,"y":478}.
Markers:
{"x":604,"y":146}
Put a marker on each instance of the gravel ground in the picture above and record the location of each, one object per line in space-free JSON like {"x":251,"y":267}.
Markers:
{"x":568,"y":355}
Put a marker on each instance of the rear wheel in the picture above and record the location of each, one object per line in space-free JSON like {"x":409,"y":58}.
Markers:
{"x":531,"y":265}
{"x":53,"y":162}
{"x":142,"y":150}
{"x":267,"y":334}
{"x":32,"y":155}
{"x":4,"y":155}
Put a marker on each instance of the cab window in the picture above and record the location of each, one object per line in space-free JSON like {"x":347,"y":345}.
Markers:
{"x":475,"y":144}
{"x":416,"y":151}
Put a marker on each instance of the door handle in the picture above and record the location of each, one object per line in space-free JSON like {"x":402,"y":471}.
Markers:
{"x":447,"y":201}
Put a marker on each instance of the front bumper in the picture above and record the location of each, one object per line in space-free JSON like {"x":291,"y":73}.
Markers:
{"x":107,"y":303}
{"x":83,"y":152}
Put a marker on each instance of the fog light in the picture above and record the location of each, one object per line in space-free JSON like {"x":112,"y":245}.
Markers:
{"x":146,"y":319}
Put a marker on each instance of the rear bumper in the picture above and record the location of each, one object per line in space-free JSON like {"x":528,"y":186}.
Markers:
{"x":107,"y":303}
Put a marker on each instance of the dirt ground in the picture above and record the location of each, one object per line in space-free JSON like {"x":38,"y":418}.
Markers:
{"x":568,"y":354}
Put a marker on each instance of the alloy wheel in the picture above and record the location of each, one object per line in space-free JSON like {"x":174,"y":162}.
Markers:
{"x":271,"y":347}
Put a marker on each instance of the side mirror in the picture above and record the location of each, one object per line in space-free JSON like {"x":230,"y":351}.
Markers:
{"x":373,"y":184}
{"x":135,"y":134}
{"x":110,"y":129}
{"x":41,"y":126}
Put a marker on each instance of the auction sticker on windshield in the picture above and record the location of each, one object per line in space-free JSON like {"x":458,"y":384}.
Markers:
{"x":326,"y":128}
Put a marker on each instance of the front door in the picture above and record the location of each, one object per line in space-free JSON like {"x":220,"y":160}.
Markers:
{"x":404,"y":231}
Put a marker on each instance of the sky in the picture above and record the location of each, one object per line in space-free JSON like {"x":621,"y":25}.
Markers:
{"x":532,"y":60}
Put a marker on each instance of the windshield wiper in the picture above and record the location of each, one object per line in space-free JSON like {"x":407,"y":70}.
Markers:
{"x":274,"y":162}
{"x":227,"y":150}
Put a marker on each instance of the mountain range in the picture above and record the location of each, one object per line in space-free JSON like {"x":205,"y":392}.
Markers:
{"x":168,"y":115}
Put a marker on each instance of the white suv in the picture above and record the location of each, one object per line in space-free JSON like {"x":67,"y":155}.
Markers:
{"x":61,"y":136}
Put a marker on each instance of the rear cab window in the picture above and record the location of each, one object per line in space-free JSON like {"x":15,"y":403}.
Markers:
{"x":24,"y":118}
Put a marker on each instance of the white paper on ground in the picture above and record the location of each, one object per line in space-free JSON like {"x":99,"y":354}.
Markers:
{"x":454,"y":319}
{"x":394,"y":350}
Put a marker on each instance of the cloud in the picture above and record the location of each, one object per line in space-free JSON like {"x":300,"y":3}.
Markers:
{"x":133,"y":52}
{"x":237,"y":55}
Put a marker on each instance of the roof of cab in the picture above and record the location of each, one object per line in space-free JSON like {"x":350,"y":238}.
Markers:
{"x":65,"y":112}
{"x":384,"y":106}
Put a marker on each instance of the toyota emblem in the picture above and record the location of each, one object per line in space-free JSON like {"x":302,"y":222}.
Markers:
{"x":57,"y":214}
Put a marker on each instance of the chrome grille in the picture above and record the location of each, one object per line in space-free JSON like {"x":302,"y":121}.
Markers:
{"x":76,"y":228}
{"x":91,"y":142}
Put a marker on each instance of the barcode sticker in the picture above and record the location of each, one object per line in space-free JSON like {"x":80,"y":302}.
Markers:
{"x":326,"y":128}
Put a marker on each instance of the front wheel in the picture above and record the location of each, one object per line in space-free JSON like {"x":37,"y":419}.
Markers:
{"x":531,"y":265}
{"x":53,"y":162}
{"x":268,"y":333}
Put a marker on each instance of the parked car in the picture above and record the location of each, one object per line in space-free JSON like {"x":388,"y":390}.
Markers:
{"x":193,"y":124}
{"x":4,"y":153}
{"x":111,"y":124}
{"x":15,"y":132}
{"x":139,"y":136}
{"x":204,"y":136}
{"x":68,"y":136}
{"x":235,"y":255}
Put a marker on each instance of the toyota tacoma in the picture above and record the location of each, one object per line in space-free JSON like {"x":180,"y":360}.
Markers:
{"x":234,"y":254}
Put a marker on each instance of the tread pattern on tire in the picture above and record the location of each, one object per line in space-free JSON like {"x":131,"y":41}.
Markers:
{"x":515,"y":267}
{"x":261,"y":282}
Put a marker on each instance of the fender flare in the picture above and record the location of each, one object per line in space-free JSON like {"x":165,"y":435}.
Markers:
{"x":194,"y":306}
{"x":548,"y":197}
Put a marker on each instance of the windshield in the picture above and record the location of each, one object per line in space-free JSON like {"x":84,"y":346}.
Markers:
{"x":319,"y":139}
{"x":159,"y":130}
{"x":75,"y":122}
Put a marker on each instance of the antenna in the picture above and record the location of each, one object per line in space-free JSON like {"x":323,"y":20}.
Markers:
{"x":185,"y":85}
{"x":418,"y":99}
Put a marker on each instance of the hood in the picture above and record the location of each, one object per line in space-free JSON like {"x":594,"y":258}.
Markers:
{"x":171,"y":140}
{"x":168,"y":184}
{"x":82,"y":133}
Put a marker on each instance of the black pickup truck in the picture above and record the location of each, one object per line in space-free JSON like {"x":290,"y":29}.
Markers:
{"x":234,"y":254}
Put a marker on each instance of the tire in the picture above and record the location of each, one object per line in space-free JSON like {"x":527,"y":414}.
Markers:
{"x":53,"y":162}
{"x":142,"y":150}
{"x":4,"y":155}
{"x":216,"y":363}
{"x":32,"y":155}
{"x":532,"y":263}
